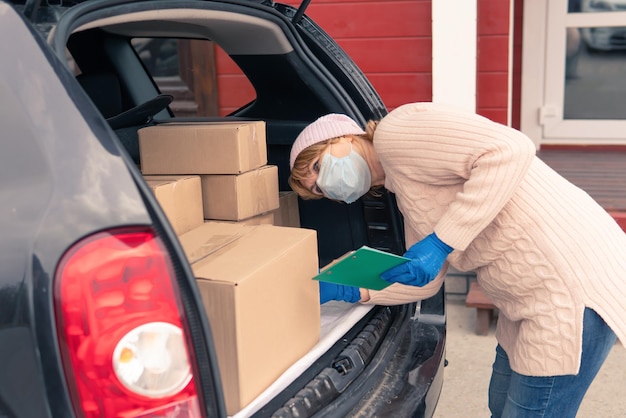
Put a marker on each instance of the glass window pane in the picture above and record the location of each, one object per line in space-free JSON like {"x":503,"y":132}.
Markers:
{"x":595,"y":71}
{"x":599,"y":5}
{"x":188,"y":70}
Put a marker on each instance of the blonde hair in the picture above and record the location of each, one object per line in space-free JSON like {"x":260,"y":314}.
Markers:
{"x":301,"y":172}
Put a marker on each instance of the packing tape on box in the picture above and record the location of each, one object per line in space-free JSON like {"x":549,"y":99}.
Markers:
{"x":213,"y":244}
{"x":259,"y":183}
{"x":253,"y":149}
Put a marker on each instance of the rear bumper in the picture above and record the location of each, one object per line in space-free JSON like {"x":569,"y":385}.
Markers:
{"x":389,"y":364}
{"x":404,"y":379}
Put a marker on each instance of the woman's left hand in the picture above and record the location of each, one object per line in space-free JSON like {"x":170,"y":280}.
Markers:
{"x":426,"y":260}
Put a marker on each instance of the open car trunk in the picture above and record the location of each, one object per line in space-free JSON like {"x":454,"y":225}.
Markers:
{"x":369,"y":360}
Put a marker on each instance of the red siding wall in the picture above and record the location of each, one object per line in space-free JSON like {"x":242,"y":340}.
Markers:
{"x":492,"y":59}
{"x":389,"y":40}
{"x":516,"y":93}
{"x":233,"y":89}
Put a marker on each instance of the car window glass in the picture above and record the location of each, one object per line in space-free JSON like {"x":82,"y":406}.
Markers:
{"x":188,"y":70}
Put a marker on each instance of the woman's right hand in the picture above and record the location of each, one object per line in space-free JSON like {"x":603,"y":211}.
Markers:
{"x":332,"y":291}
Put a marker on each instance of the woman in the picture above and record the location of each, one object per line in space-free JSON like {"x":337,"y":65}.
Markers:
{"x":474,"y":194}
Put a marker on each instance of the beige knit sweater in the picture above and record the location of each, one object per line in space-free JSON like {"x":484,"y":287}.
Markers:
{"x":542,"y":249}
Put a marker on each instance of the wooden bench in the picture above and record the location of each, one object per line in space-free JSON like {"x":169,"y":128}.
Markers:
{"x":476,"y":298}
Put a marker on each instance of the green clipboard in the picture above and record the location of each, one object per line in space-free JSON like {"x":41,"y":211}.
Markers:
{"x":361,"y":268}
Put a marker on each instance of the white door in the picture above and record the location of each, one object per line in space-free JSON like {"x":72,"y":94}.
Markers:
{"x":575,"y":88}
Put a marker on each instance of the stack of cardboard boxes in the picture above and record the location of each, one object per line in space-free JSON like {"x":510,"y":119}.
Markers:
{"x":252,"y":261}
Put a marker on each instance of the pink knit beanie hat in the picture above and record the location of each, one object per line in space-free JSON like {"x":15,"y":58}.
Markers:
{"x":326,"y":127}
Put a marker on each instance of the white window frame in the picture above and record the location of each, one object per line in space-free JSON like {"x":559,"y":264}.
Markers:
{"x":543,"y":71}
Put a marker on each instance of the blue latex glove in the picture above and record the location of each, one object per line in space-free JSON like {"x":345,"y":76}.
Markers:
{"x":331,"y":291}
{"x":427,"y":257}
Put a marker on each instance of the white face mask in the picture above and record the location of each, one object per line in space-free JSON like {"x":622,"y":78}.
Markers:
{"x":344,"y":178}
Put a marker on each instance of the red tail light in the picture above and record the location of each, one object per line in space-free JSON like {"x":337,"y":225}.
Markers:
{"x":121,"y":329}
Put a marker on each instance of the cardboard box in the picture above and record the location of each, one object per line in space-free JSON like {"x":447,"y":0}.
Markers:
{"x":287,"y":213}
{"x":262,"y":305}
{"x":180,"y":198}
{"x":262,"y":219}
{"x":202,"y":148}
{"x":240,"y":196}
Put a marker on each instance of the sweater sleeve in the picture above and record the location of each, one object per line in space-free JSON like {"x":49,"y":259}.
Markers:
{"x":440,"y":145}
{"x":496,"y":167}
{"x":398,"y":294}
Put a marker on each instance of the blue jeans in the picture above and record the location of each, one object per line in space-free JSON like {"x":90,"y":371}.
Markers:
{"x":512,"y":395}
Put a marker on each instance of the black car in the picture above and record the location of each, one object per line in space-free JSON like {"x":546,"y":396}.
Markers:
{"x":80,"y":228}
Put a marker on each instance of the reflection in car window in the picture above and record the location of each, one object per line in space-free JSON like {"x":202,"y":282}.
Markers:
{"x":160,"y":56}
{"x":595,"y":66}
{"x":187,"y":69}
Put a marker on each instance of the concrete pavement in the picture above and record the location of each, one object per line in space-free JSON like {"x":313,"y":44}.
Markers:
{"x":466,"y":378}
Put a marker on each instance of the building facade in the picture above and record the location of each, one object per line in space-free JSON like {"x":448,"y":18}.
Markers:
{"x":546,"y":68}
